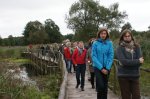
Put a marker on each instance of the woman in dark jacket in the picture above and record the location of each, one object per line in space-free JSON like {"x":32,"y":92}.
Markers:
{"x":130,"y":58}
{"x":89,"y":62}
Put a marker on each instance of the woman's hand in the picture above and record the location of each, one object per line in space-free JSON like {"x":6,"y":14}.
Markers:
{"x":104,"y":71}
{"x":141,"y":60}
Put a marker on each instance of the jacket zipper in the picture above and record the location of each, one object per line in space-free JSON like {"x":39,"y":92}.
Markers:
{"x":132,"y":54}
{"x":103,"y":57}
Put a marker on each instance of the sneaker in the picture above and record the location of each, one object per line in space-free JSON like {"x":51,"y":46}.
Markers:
{"x":89,"y":79}
{"x":93,"y":86}
{"x":82,"y":89}
{"x":77,"y":85}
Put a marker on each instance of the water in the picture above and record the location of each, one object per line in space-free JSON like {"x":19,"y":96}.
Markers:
{"x":21,"y":74}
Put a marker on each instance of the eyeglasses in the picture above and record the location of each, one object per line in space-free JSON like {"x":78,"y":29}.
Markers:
{"x":127,"y":36}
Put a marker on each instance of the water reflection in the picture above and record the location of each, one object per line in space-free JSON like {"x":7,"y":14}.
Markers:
{"x":21,"y":74}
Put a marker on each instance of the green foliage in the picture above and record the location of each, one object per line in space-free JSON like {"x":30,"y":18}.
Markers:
{"x":145,"y":46}
{"x":12,"y":41}
{"x":113,"y":83}
{"x":126,"y":26}
{"x":114,"y":34}
{"x":16,"y":90}
{"x":145,"y":83}
{"x":50,"y":84}
{"x":69,"y":36}
{"x":47,"y":86}
{"x":13,"y":88}
{"x":1,"y":41}
{"x":38,"y":33}
{"x":33,"y":32}
{"x":53,"y":32}
{"x":115,"y":17}
{"x":86,"y":16}
{"x":83,"y":18}
{"x":11,"y":52}
{"x":35,"y":37}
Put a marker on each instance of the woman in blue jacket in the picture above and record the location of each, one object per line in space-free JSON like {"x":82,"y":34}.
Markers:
{"x":102,"y":57}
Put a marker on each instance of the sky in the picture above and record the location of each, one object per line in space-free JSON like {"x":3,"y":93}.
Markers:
{"x":15,"y":14}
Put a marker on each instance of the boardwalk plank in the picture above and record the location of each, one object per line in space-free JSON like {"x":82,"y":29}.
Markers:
{"x":89,"y":93}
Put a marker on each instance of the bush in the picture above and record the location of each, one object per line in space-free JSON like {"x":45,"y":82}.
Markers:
{"x":11,"y":52}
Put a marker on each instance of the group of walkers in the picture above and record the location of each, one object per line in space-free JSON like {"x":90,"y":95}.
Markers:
{"x":99,"y":58}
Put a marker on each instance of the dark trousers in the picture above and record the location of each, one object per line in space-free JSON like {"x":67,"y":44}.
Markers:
{"x":101,"y":84}
{"x":74,"y":67}
{"x":129,"y":88}
{"x":92,"y":78}
{"x":80,"y":73}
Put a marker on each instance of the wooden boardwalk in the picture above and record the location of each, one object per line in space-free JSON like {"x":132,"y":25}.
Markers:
{"x":89,"y":93}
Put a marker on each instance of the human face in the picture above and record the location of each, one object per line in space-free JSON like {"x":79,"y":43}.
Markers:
{"x":127,"y":37}
{"x":81,"y":45}
{"x":103,"y":35}
{"x":74,"y":44}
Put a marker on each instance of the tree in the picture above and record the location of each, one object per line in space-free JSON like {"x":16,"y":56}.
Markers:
{"x":52,"y":29}
{"x":19,"y":41}
{"x":116,"y":18}
{"x":1,"y":40}
{"x":11,"y":40}
{"x":6,"y":42}
{"x":83,"y":19}
{"x":149,"y":28}
{"x":35,"y":33}
{"x":86,"y":16}
{"x":126,"y":26}
{"x":69,"y":36}
{"x":38,"y":37}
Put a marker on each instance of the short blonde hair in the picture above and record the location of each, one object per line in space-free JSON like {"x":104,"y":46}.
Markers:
{"x":68,"y":44}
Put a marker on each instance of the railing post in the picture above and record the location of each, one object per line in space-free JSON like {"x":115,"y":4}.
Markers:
{"x":115,"y":79}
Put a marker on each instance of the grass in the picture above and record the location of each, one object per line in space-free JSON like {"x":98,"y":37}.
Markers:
{"x":145,"y":83}
{"x":14,"y":88}
{"x":146,"y":64}
{"x":11,"y":52}
{"x":15,"y":60}
{"x":49,"y":84}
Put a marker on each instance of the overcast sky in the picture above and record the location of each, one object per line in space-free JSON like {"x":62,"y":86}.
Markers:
{"x":15,"y":14}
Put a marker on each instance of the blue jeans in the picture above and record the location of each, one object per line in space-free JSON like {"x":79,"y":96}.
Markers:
{"x":101,"y":84}
{"x":68,"y":65}
{"x":80,"y":72}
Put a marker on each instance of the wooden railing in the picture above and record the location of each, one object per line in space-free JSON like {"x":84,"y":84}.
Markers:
{"x":113,"y":81}
{"x":49,"y":61}
{"x":44,"y":61}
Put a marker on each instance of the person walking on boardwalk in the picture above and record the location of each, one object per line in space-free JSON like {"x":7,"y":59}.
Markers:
{"x":130,"y":58}
{"x":74,"y":47}
{"x":68,"y":56}
{"x":102,"y":58}
{"x":89,"y":63}
{"x":79,"y":59}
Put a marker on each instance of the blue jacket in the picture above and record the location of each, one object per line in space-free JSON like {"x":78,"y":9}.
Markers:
{"x":102,"y":54}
